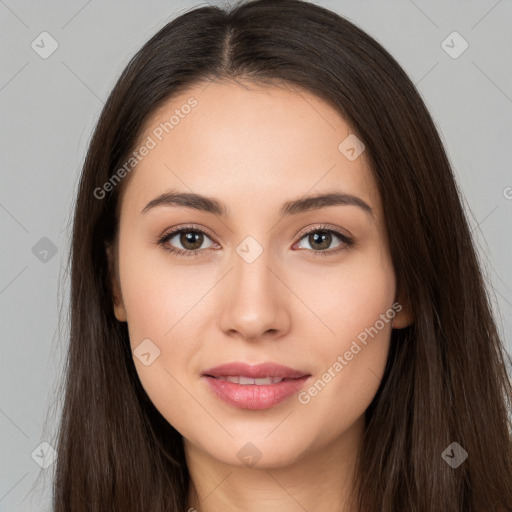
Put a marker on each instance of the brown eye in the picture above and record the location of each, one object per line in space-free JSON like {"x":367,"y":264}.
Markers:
{"x":185,"y":241}
{"x":191,"y":240}
{"x":320,"y":240}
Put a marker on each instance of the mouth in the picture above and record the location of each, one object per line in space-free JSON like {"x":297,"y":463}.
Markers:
{"x":254,"y":387}
{"x":245,"y":381}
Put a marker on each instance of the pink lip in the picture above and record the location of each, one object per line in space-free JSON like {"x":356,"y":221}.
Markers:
{"x":252,"y":396}
{"x":262,"y":370}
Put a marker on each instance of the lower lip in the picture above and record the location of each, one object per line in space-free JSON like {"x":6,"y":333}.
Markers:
{"x":252,"y":396}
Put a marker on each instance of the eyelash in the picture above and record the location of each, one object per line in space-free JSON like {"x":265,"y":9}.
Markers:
{"x":346,"y":241}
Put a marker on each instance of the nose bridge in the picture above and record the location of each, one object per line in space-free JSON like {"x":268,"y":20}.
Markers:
{"x":251,"y":268}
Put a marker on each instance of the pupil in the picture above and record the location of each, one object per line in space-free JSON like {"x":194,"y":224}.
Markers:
{"x":324,"y":237}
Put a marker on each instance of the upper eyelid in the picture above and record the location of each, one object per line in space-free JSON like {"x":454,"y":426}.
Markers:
{"x":312,"y":229}
{"x":173,"y":232}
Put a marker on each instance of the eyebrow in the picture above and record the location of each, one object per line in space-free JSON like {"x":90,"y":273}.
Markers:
{"x":296,"y":206}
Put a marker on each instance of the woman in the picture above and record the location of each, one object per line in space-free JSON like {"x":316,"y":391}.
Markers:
{"x":275,"y":298}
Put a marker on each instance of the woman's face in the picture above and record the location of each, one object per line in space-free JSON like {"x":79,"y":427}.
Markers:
{"x":262,"y":287}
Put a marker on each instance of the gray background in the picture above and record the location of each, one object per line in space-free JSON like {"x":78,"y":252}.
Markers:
{"x":49,"y":108}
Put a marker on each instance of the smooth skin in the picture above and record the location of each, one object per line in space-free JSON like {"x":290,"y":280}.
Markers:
{"x":253,"y":148}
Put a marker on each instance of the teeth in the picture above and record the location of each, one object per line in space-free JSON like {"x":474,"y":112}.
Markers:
{"x":247,"y":380}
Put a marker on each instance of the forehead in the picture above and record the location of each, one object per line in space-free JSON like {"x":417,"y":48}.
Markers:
{"x":248,"y":141}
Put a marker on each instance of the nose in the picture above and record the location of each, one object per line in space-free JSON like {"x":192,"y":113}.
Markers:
{"x":253,"y":300}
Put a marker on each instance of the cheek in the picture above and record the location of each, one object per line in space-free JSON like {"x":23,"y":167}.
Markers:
{"x":158,"y":294}
{"x":163,"y":323}
{"x":166,"y":307}
{"x":357,"y":307}
{"x":348,"y":298}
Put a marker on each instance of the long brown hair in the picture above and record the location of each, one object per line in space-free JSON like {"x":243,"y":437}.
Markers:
{"x":446,"y":377}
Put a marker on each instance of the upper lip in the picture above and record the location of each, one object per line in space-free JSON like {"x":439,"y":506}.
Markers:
{"x":267,"y":369}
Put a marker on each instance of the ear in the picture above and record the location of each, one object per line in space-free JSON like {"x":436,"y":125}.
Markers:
{"x":404,"y":315}
{"x":119,"y":309}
